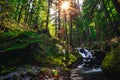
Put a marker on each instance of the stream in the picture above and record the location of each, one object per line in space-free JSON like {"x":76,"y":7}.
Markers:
{"x":91,"y":73}
{"x":79,"y":73}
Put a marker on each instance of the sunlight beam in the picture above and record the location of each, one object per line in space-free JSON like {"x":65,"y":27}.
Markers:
{"x":65,"y":5}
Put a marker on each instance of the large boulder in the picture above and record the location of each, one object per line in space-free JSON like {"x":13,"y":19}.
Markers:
{"x":111,"y":62}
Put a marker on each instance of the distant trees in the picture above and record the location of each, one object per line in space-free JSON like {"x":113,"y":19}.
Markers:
{"x":99,"y":20}
{"x":28,"y":12}
{"x":82,"y":23}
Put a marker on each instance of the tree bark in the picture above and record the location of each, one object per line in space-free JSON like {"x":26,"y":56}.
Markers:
{"x":27,"y":13}
{"x":47,"y":18}
{"x":20,"y":13}
{"x":17,"y":10}
{"x":66,"y":32}
{"x":71,"y":42}
{"x":59,"y":22}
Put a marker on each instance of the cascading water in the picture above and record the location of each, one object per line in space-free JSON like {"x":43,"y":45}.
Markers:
{"x":86,"y":68}
{"x":88,"y":59}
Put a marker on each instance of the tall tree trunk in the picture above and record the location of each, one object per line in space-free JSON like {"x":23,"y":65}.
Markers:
{"x":96,"y":29}
{"x":17,"y":10}
{"x":66,"y":31}
{"x":20,"y":13}
{"x":27,"y":13}
{"x":58,"y":19}
{"x":59,"y":22}
{"x":56,"y":29}
{"x":48,"y":13}
{"x":71,"y":42}
{"x":30,"y":17}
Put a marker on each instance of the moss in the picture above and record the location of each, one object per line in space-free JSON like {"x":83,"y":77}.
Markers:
{"x":14,"y":40}
{"x":28,"y":47}
{"x":45,"y":71}
{"x":111,"y":62}
{"x":4,"y":69}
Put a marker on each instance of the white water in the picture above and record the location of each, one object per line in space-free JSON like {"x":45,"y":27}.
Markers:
{"x":94,"y":70}
{"x":88,"y":70}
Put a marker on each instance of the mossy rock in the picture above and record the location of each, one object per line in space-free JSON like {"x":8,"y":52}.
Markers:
{"x":111,"y":62}
{"x":45,"y":71}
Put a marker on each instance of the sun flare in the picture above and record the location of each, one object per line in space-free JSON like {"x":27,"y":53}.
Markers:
{"x":65,"y":5}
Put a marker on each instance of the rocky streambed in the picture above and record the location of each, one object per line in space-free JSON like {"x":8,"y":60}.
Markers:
{"x":21,"y":73}
{"x":34,"y":73}
{"x":40,"y":73}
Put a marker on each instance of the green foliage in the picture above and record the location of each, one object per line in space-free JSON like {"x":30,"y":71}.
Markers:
{"x":111,"y":62}
{"x":46,"y":71}
{"x":31,"y":47}
{"x":6,"y":36}
{"x":4,"y":69}
{"x":16,"y":40}
{"x":65,"y":60}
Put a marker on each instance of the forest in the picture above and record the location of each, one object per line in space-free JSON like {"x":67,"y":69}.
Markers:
{"x":46,"y":33}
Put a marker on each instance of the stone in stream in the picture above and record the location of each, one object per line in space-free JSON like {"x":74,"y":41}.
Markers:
{"x":75,"y":75}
